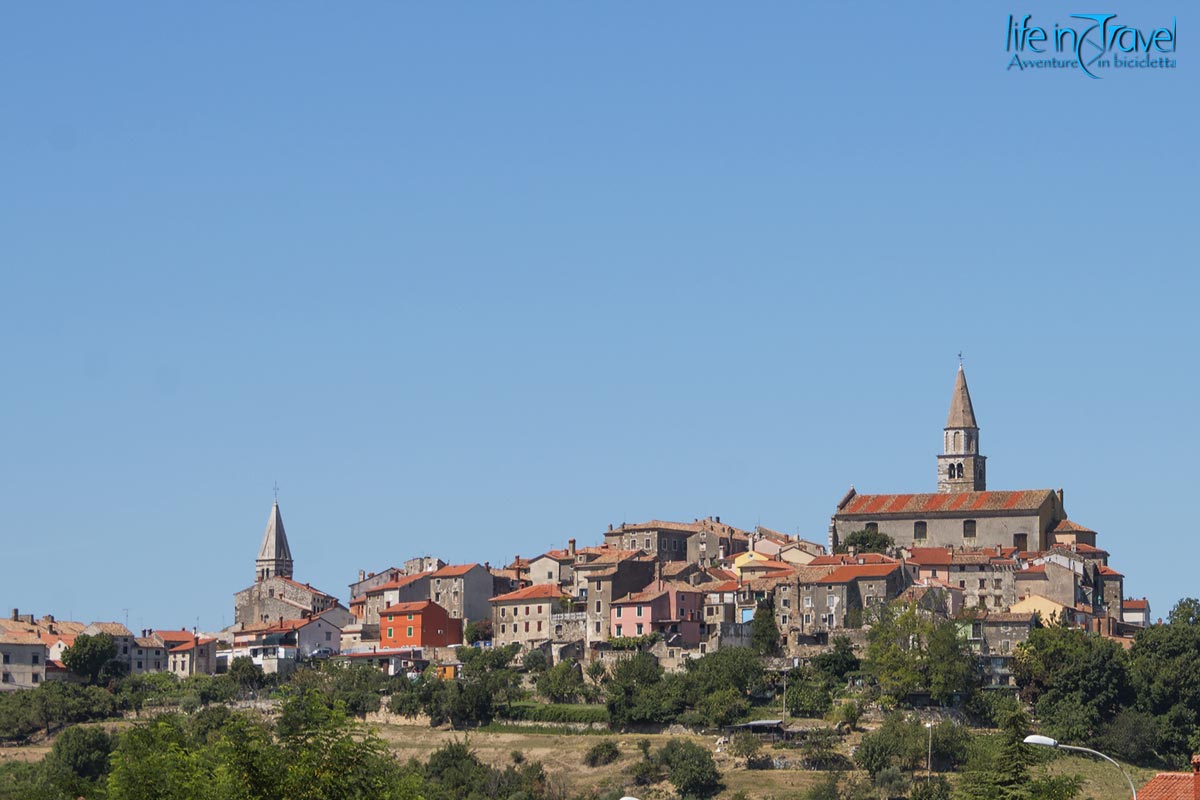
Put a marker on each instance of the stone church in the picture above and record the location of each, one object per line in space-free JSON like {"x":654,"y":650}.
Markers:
{"x":274,"y":596}
{"x":962,"y":512}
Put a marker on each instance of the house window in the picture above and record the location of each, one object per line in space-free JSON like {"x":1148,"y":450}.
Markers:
{"x":36,"y":677}
{"x":872,"y":527}
{"x":139,"y":664}
{"x":962,"y":584}
{"x":1021,"y":541}
{"x":410,"y":630}
{"x":783,"y":619}
{"x":785,"y":602}
{"x":597,"y":627}
{"x":647,"y":542}
{"x":549,"y":575}
{"x":996,"y":583}
{"x":597,"y":606}
{"x":920,"y":530}
{"x":639,"y":629}
{"x":502,"y":627}
{"x":539,"y":609}
{"x":619,"y":630}
{"x":807,"y":619}
{"x":390,"y":634}
{"x":410,"y":617}
{"x":328,"y":636}
{"x":539,"y":626}
{"x":527,"y":626}
{"x":968,"y":529}
{"x":982,"y":583}
{"x":527,"y":611}
{"x":639,"y":611}
{"x":830,"y":600}
{"x":808,"y":602}
{"x":391,"y":618}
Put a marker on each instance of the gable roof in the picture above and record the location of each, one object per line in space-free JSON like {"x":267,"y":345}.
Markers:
{"x":415,"y":607}
{"x":842,"y":559}
{"x":539,"y":591}
{"x":1172,"y":785}
{"x":852,"y":572}
{"x":191,"y":644}
{"x":950,"y":503}
{"x":455,"y":571}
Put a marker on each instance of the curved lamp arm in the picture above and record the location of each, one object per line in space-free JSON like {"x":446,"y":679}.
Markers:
{"x":1046,"y":741}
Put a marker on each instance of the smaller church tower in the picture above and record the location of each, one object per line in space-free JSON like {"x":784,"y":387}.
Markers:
{"x":274,"y":557}
{"x":960,"y":467}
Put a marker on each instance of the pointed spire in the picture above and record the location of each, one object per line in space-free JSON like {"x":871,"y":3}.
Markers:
{"x":962,"y":415}
{"x":274,"y":557}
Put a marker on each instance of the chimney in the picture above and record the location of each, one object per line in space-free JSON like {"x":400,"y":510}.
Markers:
{"x":362,"y":574}
{"x":718,"y":519}
{"x":610,"y":527}
{"x":658,"y":573}
{"x":15,"y":614}
{"x":1060,"y":496}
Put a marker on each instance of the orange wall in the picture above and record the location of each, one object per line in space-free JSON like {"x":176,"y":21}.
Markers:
{"x":425,"y":626}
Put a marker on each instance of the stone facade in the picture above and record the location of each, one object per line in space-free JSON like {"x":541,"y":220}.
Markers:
{"x":22,"y":661}
{"x":278,"y":598}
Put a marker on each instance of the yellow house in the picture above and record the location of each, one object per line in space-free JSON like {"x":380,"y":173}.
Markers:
{"x":744,"y":558}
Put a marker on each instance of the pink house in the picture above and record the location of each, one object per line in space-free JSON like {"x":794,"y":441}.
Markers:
{"x":672,"y":609}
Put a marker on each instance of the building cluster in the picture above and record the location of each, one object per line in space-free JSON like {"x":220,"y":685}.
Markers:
{"x":31,"y":649}
{"x":996,"y":561}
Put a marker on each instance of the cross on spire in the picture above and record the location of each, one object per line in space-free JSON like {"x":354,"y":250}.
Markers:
{"x":276,"y":492}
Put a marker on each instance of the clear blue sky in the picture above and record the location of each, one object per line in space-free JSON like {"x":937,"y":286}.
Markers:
{"x":474,"y":279}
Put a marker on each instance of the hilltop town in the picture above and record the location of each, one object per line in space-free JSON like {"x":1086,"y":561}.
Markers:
{"x":1000,"y":562}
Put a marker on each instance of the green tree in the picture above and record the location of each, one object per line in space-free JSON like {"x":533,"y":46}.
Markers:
{"x":246,"y":674}
{"x":78,"y":762}
{"x":690,"y":768}
{"x":562,"y":683}
{"x":478,"y":631}
{"x":865,"y":541}
{"x":534,"y":661}
{"x":764,"y":633}
{"x":837,"y":662}
{"x":88,"y":655}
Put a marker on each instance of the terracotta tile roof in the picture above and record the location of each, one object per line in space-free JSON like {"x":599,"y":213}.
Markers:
{"x":13,"y":637}
{"x":774,"y":536}
{"x":723,"y":586}
{"x":539,"y":591}
{"x":456,"y":571}
{"x":1169,"y":786}
{"x":644,"y":596}
{"x":842,"y":559}
{"x":852,"y":572}
{"x":183,"y":648}
{"x":51,"y":639}
{"x":1067,"y":526}
{"x":945,"y":502}
{"x":415,"y":607}
{"x":112,"y":628}
{"x":147,"y":641}
{"x":1033,"y":570}
{"x":174,"y":636}
{"x":614,"y":556}
{"x":1109,"y":571}
{"x":1136,"y":605}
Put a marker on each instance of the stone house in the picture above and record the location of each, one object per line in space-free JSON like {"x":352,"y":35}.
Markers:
{"x":122,"y":637}
{"x":195,"y":657}
{"x":23,"y":660}
{"x":148,"y":654}
{"x":524,"y":617}
{"x":405,"y":589}
{"x":606,"y":578}
{"x":463,"y":591}
{"x":994,"y":637}
{"x":987,"y":576}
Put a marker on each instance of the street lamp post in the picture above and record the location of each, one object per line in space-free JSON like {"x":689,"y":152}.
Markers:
{"x":1046,"y":741}
{"x":929,"y":755}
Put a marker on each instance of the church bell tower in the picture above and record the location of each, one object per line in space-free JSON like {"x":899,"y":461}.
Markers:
{"x":960,"y":467}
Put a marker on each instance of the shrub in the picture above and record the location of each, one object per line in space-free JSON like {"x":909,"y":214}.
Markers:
{"x":601,"y":753}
